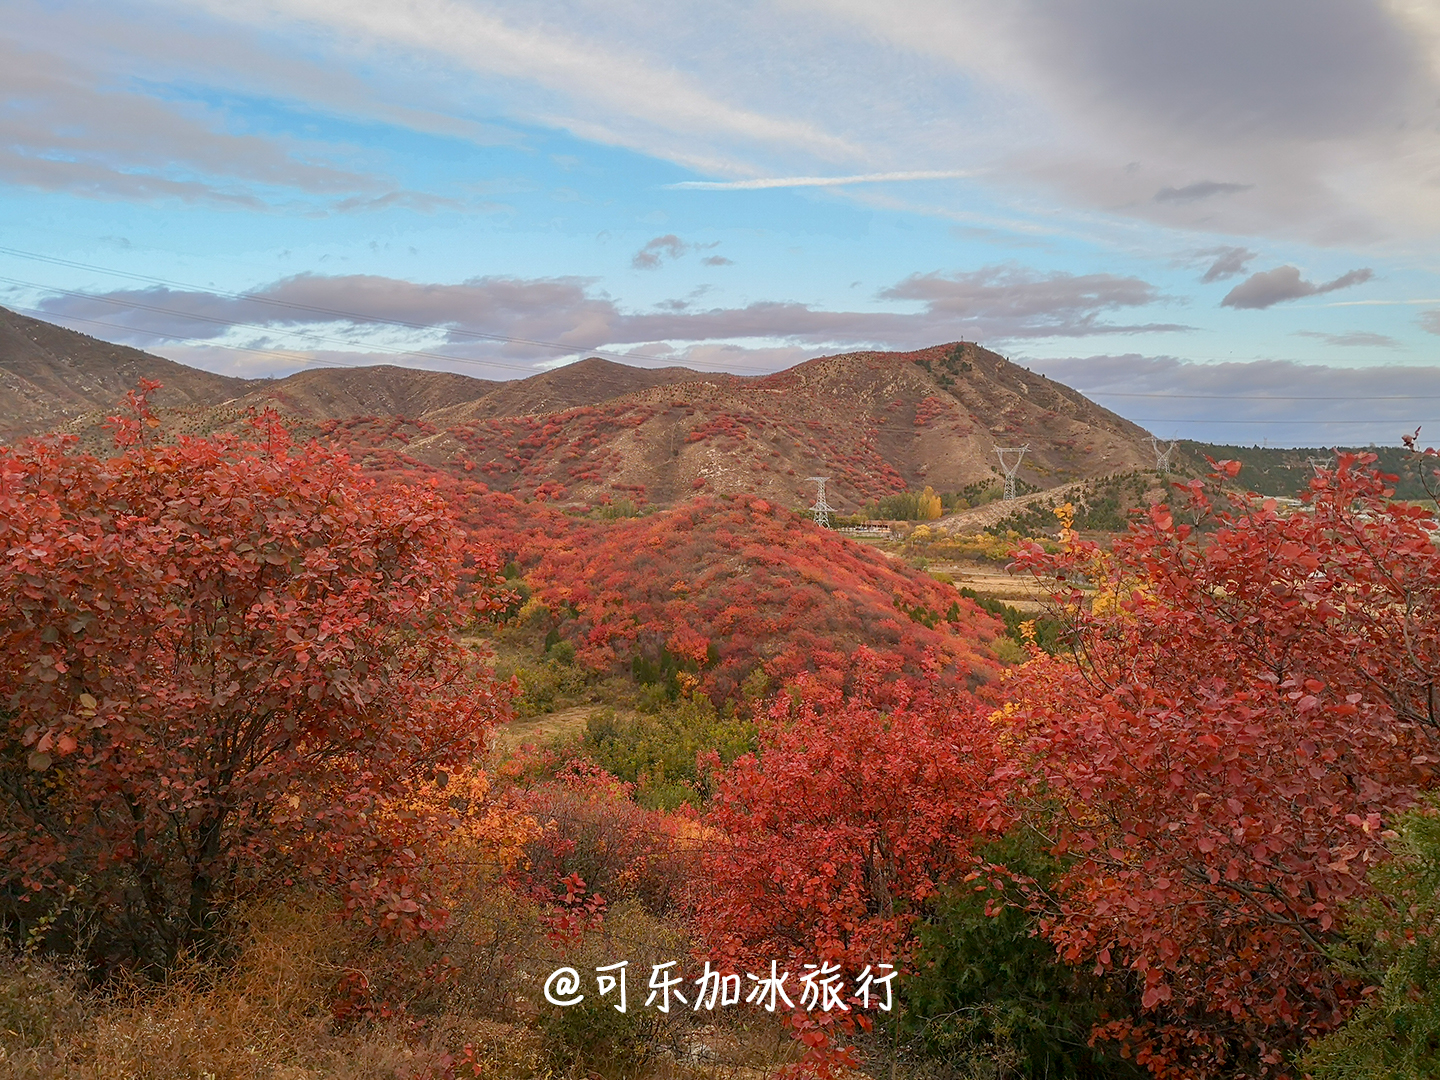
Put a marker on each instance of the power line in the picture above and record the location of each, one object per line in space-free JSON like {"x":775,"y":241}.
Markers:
{"x":1264,"y":397}
{"x":1011,"y":469}
{"x":291,"y":305}
{"x":310,"y":335}
{"x":1202,"y":420}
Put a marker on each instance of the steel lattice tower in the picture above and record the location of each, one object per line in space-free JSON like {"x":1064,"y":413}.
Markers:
{"x":1162,"y":457}
{"x":822,"y":509}
{"x":1011,"y":470}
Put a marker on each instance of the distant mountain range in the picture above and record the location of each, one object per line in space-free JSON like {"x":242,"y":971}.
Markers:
{"x":875,"y":423}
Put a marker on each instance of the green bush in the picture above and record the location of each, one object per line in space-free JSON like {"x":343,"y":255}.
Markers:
{"x":657,"y":751}
{"x":548,"y":686}
{"x":990,"y":997}
{"x":616,"y":509}
{"x":593,"y":1038}
{"x":1047,"y":630}
{"x":1395,"y":944}
{"x":593,"y":1035}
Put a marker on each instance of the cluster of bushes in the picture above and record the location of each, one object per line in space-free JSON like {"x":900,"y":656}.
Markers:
{"x":995,"y":546}
{"x":928,"y":504}
{"x":1221,"y":771}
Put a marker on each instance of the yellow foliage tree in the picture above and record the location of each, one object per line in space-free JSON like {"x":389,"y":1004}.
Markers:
{"x":929,"y":505}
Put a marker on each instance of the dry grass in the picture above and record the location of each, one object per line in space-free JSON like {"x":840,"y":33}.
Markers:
{"x":267,"y":1014}
{"x":545,"y":729}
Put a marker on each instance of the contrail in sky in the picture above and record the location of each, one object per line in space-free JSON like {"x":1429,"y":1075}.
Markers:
{"x":819,"y":181}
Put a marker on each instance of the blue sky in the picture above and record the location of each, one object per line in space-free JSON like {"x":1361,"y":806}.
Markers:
{"x":1219,"y":218}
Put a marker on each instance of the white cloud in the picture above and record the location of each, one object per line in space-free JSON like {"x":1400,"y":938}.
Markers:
{"x":1326,"y":108}
{"x":68,"y":127}
{"x":596,"y":80}
{"x":1302,"y":119}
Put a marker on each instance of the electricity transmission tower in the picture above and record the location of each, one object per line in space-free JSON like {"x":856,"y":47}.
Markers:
{"x":1011,"y":470}
{"x":821,"y":509}
{"x":1320,"y":464}
{"x":1162,"y":457}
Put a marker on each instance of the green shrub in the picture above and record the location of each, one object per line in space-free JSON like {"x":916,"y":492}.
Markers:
{"x":548,"y":686}
{"x":1395,"y":944}
{"x":616,"y":509}
{"x":990,"y":997}
{"x":1047,"y":630}
{"x":657,"y":751}
{"x":593,"y":1037}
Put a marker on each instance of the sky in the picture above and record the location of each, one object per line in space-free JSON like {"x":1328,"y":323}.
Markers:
{"x":1217,"y":217}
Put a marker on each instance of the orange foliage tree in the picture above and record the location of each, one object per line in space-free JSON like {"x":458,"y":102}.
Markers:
{"x":1218,"y":760}
{"x":221,"y":665}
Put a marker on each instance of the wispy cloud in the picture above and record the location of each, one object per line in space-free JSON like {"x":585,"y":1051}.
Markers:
{"x":1229,"y":262}
{"x":1355,"y":339}
{"x":566,"y":76}
{"x":1204,"y":189}
{"x":1271,"y":287}
{"x":66,"y":127}
{"x":822,"y":181}
{"x":670,"y":246}
{"x":653,"y":253}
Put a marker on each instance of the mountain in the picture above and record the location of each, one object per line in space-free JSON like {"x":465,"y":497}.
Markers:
{"x":381,"y":390}
{"x":586,"y":382}
{"x":873,"y":423}
{"x":50,"y":376}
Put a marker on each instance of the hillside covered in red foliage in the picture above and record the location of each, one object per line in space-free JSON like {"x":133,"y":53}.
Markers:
{"x":722,"y":588}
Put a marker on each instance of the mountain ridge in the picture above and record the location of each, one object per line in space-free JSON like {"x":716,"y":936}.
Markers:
{"x":596,"y":430}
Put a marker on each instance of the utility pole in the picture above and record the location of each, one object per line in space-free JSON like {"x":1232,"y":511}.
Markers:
{"x":1011,"y":470}
{"x":822,"y":509}
{"x":1162,"y":457}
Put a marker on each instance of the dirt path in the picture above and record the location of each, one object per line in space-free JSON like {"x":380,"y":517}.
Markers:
{"x":980,"y":518}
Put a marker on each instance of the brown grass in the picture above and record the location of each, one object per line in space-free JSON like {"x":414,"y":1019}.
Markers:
{"x":266,"y":1014}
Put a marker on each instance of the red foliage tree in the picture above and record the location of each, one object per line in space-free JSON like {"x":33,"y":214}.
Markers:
{"x":1242,"y":715}
{"x":222,"y":664}
{"x":828,"y":843}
